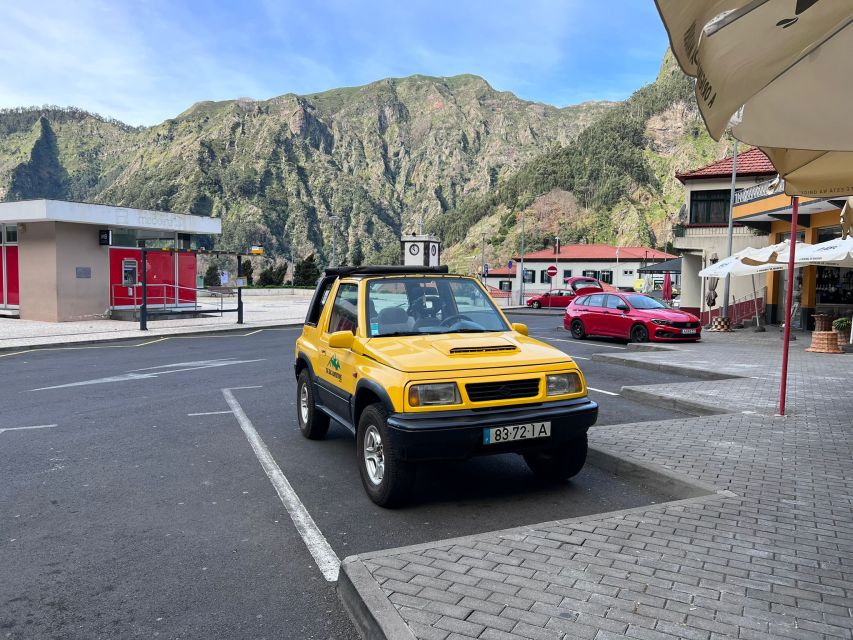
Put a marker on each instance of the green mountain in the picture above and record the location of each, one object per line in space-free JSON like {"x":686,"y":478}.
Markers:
{"x":615,"y":183}
{"x":383,"y":158}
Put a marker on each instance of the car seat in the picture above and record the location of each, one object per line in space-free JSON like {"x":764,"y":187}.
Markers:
{"x":394,"y":319}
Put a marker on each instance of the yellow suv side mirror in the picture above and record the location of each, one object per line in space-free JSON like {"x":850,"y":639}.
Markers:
{"x":341,"y":340}
{"x":520,"y":328}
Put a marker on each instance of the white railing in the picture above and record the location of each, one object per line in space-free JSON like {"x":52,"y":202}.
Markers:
{"x":761,"y":190}
{"x":161,"y":296}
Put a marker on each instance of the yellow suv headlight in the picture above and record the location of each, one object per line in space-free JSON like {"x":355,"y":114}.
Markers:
{"x":426,"y":395}
{"x":562,"y":384}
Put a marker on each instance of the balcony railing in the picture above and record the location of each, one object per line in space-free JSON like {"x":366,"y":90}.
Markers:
{"x":761,"y":190}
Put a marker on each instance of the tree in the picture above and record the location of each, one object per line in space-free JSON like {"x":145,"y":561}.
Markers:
{"x":306,"y":272}
{"x":246,"y":271}
{"x":211,"y":276}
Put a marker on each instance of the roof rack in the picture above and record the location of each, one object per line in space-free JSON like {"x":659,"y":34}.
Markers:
{"x":383,"y":270}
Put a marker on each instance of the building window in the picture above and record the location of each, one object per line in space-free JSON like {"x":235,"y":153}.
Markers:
{"x":505,"y":285}
{"x":11,"y":233}
{"x":529,"y":276}
{"x":709,"y":207}
{"x":607,"y":276}
{"x":627,"y":272}
{"x":544,"y":278}
{"x":567,"y":273}
{"x":589,"y":273}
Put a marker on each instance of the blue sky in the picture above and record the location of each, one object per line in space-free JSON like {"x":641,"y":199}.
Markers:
{"x":143,"y":61}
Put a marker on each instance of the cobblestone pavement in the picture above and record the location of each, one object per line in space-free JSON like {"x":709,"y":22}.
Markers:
{"x":815,"y":380}
{"x":770,"y":558}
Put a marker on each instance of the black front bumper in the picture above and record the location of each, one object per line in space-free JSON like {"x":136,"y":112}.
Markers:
{"x":449,"y":435}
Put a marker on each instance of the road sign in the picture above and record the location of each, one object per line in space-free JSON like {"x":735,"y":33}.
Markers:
{"x":552,"y":271}
{"x":485,"y":269}
{"x":509,"y":265}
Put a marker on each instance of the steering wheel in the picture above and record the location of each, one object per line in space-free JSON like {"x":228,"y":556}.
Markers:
{"x":451,"y":320}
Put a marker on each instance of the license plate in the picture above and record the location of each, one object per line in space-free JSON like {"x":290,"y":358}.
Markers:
{"x":688,"y":331}
{"x":496,"y":435}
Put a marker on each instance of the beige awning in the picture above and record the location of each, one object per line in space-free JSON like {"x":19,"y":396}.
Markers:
{"x":785,"y":65}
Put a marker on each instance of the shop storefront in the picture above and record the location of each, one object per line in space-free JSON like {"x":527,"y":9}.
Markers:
{"x":817,"y":289}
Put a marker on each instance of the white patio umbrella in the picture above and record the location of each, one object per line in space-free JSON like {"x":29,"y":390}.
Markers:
{"x":750,"y":261}
{"x":784,"y":64}
{"x":836,"y":253}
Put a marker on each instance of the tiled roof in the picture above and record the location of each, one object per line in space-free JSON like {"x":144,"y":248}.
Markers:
{"x":599,"y":252}
{"x":503,"y":271}
{"x":749,"y":163}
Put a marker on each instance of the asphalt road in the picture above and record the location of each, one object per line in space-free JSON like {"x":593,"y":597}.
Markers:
{"x":122,"y":515}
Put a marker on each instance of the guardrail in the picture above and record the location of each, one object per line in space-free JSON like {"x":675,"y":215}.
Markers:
{"x":165,"y":299}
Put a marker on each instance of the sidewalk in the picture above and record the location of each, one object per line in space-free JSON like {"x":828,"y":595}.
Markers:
{"x":772,"y":557}
{"x":258,"y":311}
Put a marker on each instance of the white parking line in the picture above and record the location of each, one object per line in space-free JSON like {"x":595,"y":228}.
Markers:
{"x":609,"y":393}
{"x":327,"y":560}
{"x":208,"y":413}
{"x":38,"y":426}
{"x":587,"y":344}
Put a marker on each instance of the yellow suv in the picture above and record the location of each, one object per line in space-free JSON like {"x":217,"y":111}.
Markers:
{"x":421,"y":365}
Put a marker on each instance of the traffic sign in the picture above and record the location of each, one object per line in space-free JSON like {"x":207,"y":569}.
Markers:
{"x":509,"y":265}
{"x":552,"y":271}
{"x":485,"y":269}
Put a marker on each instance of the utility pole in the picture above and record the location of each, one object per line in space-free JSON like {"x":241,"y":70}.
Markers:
{"x":556,"y":259}
{"x":483,"y":259}
{"x":521,"y":266}
{"x":730,"y":232}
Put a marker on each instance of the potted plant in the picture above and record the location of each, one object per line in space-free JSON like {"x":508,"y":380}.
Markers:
{"x":842,"y":328}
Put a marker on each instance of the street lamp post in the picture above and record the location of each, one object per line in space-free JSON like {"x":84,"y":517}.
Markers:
{"x":730,"y":230}
{"x":483,"y":259}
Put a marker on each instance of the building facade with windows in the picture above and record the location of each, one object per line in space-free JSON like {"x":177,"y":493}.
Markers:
{"x":615,"y":265}
{"x":64,"y":261}
{"x":701,"y":234}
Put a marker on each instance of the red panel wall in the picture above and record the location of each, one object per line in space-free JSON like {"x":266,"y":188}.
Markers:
{"x":186,"y":277}
{"x":2,"y":255}
{"x":12,"y":286}
{"x":160,"y":276}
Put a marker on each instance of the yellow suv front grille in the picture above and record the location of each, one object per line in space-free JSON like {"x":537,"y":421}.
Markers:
{"x":506,"y":390}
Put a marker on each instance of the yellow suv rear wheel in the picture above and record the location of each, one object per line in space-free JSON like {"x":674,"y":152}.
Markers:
{"x":386,"y":477}
{"x":313,"y":424}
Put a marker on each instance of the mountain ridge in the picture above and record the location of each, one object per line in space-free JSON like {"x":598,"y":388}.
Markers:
{"x":383,"y":157}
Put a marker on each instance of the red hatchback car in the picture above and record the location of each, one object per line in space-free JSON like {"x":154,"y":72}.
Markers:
{"x":632,"y":316}
{"x":563,"y":297}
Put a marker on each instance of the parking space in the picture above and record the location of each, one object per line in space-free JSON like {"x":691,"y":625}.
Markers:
{"x":143,"y":504}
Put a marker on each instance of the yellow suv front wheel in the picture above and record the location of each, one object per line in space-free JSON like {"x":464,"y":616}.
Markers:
{"x":386,"y":477}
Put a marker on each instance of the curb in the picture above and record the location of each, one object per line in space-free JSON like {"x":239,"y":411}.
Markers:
{"x":367,"y":605}
{"x":151,"y":336}
{"x":376,"y":618}
{"x":641,"y":395}
{"x":690,"y":372}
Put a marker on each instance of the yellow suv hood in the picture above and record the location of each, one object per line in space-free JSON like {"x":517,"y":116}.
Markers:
{"x":458,"y":351}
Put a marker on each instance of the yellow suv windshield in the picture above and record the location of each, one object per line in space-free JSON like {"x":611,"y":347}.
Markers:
{"x":415,"y":306}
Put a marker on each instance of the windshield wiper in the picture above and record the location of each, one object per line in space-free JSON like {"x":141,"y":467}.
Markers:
{"x":399,"y":333}
{"x":473,"y":331}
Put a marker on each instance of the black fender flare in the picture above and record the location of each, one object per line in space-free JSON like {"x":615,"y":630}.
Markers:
{"x":377,"y":390}
{"x":302,"y":359}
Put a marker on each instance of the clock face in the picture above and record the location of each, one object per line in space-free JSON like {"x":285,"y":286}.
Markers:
{"x":414,"y":249}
